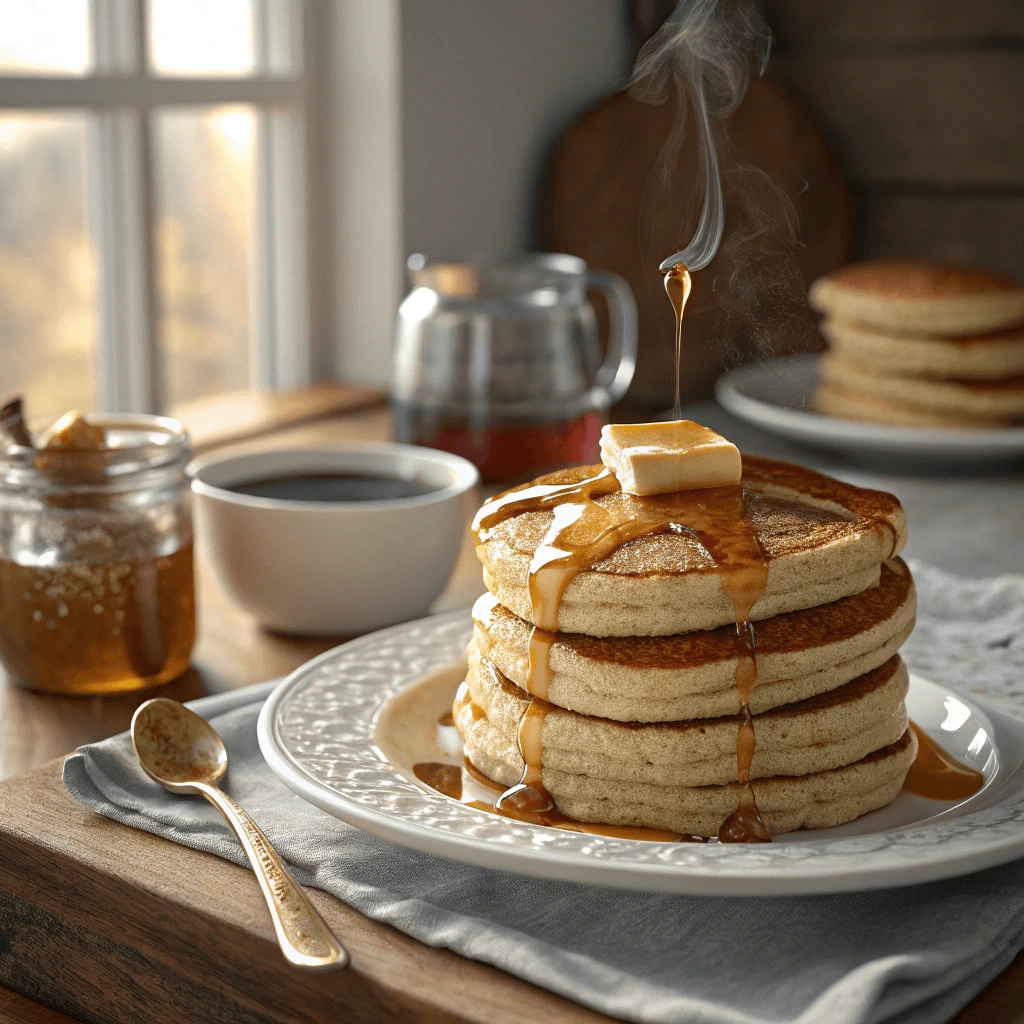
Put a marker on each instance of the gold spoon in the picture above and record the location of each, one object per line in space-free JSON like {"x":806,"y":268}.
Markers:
{"x":185,"y":755}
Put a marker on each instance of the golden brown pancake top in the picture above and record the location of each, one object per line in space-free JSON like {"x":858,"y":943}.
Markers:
{"x":794,"y":631}
{"x":922,"y":279}
{"x":785,"y":525}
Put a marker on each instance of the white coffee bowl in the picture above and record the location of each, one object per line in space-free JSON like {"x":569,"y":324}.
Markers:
{"x":333,"y":568}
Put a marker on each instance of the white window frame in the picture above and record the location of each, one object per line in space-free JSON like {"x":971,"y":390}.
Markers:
{"x":121,"y":94}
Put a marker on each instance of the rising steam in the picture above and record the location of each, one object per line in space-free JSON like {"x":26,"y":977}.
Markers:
{"x":709,"y":56}
{"x":703,"y":56}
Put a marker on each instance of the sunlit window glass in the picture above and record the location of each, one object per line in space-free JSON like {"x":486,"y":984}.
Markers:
{"x":47,"y":264}
{"x":204,"y":175}
{"x":201,"y":37}
{"x":44,"y":37}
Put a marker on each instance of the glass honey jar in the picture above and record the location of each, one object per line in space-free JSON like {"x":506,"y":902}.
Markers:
{"x":96,"y":574}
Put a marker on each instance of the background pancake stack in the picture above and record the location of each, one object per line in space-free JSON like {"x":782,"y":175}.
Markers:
{"x":636,"y":694}
{"x":921,"y":344}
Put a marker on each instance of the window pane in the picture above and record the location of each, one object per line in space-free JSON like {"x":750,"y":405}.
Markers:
{"x":47,"y":264}
{"x":44,"y":36}
{"x":204,"y":171}
{"x":201,"y":37}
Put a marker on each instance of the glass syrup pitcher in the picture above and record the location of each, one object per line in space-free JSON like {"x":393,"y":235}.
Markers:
{"x":500,"y":362}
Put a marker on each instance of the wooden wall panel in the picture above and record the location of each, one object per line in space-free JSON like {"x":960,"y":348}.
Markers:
{"x":936,"y":118}
{"x":971,"y":230}
{"x":922,"y":102}
{"x":888,"y":23}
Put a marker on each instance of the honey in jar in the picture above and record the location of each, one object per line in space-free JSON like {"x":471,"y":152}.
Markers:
{"x":96,"y":577}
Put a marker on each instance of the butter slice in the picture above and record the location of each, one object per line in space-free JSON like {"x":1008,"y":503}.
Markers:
{"x":680,"y":455}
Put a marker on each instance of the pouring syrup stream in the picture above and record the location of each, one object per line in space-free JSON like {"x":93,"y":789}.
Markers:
{"x":677,"y":286}
{"x":744,"y":824}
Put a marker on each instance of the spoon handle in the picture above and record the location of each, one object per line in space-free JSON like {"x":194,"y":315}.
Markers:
{"x":303,"y":935}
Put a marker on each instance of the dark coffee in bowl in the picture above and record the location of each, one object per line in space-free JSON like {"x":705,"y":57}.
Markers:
{"x":333,"y":487}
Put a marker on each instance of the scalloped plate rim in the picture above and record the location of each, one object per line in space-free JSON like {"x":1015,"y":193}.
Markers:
{"x":785,"y":875}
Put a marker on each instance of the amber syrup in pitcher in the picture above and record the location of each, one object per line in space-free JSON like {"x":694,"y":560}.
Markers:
{"x":505,"y":450}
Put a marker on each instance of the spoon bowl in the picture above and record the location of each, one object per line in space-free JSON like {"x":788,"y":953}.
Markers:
{"x":176,"y":747}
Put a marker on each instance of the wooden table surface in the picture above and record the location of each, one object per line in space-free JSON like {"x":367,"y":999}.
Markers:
{"x":392,"y":978}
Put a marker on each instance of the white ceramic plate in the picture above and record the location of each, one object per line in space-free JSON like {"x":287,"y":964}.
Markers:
{"x":344,"y":730}
{"x":776,"y":396}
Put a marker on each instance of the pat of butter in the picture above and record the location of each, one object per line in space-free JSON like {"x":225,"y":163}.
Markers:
{"x":655,"y":458}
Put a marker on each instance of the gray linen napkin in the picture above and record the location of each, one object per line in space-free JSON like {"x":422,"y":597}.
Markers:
{"x":914,"y":954}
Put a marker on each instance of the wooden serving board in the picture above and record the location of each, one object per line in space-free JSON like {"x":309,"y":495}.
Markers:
{"x":106,"y":923}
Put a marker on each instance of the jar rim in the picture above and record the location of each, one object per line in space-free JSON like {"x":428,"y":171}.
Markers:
{"x":140,"y":443}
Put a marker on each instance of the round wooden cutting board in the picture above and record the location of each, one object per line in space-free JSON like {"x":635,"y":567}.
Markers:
{"x":619,"y":194}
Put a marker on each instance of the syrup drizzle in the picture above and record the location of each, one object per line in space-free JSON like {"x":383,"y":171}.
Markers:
{"x":677,"y":285}
{"x":529,"y":795}
{"x":744,"y":825}
{"x":583,"y":533}
{"x":581,"y":527}
{"x":468,"y":783}
{"x":538,"y":677}
{"x":937,"y":775}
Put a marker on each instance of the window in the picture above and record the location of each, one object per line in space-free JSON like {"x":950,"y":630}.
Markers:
{"x":153,"y":183}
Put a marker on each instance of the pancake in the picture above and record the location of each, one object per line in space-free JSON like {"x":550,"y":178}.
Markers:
{"x":978,"y":357}
{"x":821,"y":800}
{"x":818,"y":799}
{"x":822,"y":539}
{"x":822,"y":732}
{"x":999,"y":399}
{"x":919,"y":297}
{"x":850,"y":404}
{"x":693,"y":675}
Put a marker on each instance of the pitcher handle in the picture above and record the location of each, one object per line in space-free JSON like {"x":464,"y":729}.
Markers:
{"x":617,"y":370}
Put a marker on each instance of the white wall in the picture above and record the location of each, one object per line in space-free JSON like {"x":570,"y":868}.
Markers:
{"x":363,"y":198}
{"x":486,"y":87}
{"x":442,"y":112}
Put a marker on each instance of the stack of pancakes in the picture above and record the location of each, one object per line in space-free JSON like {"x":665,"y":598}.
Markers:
{"x":640,"y":708}
{"x":921,"y":344}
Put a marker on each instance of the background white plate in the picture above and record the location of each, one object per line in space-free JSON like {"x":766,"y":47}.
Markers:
{"x":318,"y":732}
{"x":776,"y":396}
